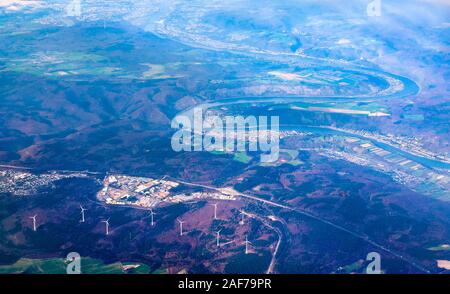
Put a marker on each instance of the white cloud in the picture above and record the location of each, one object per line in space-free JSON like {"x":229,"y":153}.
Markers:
{"x":15,"y":5}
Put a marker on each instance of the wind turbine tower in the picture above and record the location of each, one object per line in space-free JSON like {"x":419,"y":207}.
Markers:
{"x":151,"y":217}
{"x":215,"y":210}
{"x":218,"y":238}
{"x":181,"y":226}
{"x":247,"y":242}
{"x":34,"y":222}
{"x":82,"y":213}
{"x":106,"y":226}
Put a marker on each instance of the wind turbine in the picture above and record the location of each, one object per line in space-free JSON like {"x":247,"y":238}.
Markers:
{"x":181,"y":226}
{"x":218,"y":238}
{"x":215,"y":210}
{"x":106,"y":225}
{"x":34,"y":222}
{"x":82,"y":213}
{"x":247,"y":242}
{"x":151,"y":216}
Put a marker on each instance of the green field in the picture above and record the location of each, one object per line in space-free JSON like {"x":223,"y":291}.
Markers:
{"x":353,"y":267}
{"x":242,"y":157}
{"x":443,"y":247}
{"x":88,"y":266}
{"x":287,"y":156}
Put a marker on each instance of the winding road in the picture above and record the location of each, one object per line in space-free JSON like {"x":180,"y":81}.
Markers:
{"x":317,"y":218}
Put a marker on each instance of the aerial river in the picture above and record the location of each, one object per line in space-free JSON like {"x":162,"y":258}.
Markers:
{"x":408,"y":88}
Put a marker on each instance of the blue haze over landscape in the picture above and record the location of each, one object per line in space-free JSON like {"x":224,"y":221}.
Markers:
{"x":88,"y":90}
